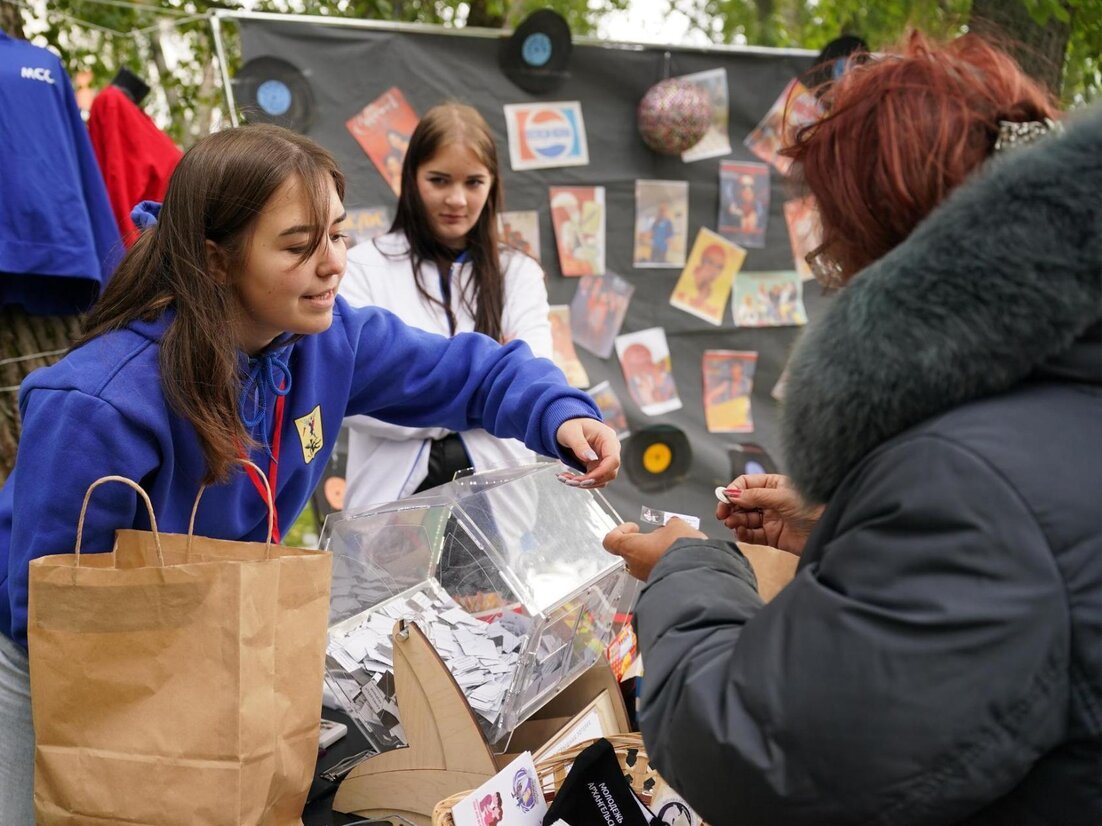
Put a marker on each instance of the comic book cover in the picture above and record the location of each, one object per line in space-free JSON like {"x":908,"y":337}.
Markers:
{"x":597,"y":311}
{"x":562,"y":347}
{"x":743,"y":203}
{"x":796,"y":107}
{"x":715,"y":142}
{"x":705,"y":283}
{"x":768,"y":299}
{"x":728,"y":385}
{"x":645,"y":359}
{"x":578,"y":216}
{"x":612,"y":409}
{"x":804,"y":232}
{"x":661,"y":223}
{"x":520,"y":230}
{"x":383,"y":129}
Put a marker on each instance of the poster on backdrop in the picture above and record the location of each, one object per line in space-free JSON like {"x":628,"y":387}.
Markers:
{"x":520,"y":230}
{"x":795,"y":108}
{"x":365,"y":223}
{"x":546,"y":135}
{"x":648,"y":371}
{"x":715,"y":142}
{"x":768,"y":299}
{"x":597,"y":312}
{"x":743,"y":203}
{"x":578,"y":216}
{"x":728,"y":385}
{"x":562,"y":347}
{"x":661,"y":223}
{"x":706,"y":281}
{"x":804,"y":232}
{"x":612,"y":409}
{"x":383,"y":129}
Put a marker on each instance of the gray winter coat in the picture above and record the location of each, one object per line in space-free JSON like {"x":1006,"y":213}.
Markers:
{"x":938,"y":657}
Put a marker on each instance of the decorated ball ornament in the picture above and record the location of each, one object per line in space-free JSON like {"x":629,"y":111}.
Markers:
{"x":673,"y":116}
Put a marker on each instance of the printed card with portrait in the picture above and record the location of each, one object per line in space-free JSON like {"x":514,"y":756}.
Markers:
{"x":728,"y":385}
{"x":769,"y":299}
{"x":597,"y":311}
{"x":648,"y":371}
{"x":520,"y":230}
{"x":795,"y":108}
{"x":612,"y":409}
{"x":804,"y":232}
{"x":705,"y":283}
{"x":661,"y":223}
{"x":578,"y":216}
{"x":365,"y":223}
{"x":512,"y":797}
{"x":383,"y":129}
{"x":546,"y":135}
{"x":743,"y":203}
{"x":562,"y":347}
{"x":715,"y":142}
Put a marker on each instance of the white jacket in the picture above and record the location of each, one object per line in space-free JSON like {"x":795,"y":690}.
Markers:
{"x":387,"y":461}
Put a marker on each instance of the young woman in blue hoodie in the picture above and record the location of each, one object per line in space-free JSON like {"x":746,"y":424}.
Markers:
{"x":221,"y":335}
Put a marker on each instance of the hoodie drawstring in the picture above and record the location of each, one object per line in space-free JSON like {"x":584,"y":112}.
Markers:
{"x":266,"y":374}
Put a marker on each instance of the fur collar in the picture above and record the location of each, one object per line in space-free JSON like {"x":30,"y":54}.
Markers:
{"x":1002,"y":277}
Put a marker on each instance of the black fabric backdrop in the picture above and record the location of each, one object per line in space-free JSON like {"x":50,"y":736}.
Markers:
{"x":348,"y":67}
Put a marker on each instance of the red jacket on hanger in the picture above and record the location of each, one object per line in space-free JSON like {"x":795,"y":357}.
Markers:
{"x":136,"y":157}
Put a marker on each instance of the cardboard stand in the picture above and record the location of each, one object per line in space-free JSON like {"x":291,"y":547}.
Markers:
{"x":447,"y":751}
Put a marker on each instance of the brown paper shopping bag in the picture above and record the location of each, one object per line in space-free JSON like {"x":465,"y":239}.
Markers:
{"x":177,"y":680}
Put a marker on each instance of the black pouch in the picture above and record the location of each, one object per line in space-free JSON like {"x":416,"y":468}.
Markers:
{"x":596,"y":793}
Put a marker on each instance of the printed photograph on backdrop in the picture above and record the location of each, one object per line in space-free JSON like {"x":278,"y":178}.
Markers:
{"x":648,"y":373}
{"x":382,"y":129}
{"x":781,"y":386}
{"x":578,"y":216}
{"x":705,"y":283}
{"x":728,"y":384}
{"x":612,"y":409}
{"x":715,"y":142}
{"x":365,"y":223}
{"x":562,"y":347}
{"x":804,"y":232}
{"x":546,"y":135}
{"x":661,"y":223}
{"x":597,"y":312}
{"x":743,"y":202}
{"x":769,"y":299}
{"x":773,"y":133}
{"x":521,"y":230}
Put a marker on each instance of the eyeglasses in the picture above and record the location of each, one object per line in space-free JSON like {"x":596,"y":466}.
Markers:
{"x":826,"y":270}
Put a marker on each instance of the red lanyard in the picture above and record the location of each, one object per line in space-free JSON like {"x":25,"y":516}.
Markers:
{"x":273,"y":468}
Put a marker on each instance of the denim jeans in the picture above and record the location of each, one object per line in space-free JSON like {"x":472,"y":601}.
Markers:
{"x":16,"y":737}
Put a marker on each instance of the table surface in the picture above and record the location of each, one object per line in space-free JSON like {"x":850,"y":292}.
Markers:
{"x":319,"y":803}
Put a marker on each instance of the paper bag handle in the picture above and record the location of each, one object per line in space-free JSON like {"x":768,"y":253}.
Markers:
{"x":140,"y":492}
{"x":271,"y":513}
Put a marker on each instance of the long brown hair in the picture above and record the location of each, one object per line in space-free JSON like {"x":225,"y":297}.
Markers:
{"x":450,"y":123}
{"x":217,"y":192}
{"x":902,"y":131}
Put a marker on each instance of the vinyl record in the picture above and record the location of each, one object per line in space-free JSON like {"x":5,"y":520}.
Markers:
{"x":271,"y":90}
{"x":535,"y":56}
{"x":749,"y":458}
{"x":657,"y":458}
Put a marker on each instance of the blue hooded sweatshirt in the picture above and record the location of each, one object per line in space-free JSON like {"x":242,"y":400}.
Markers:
{"x":101,"y":410}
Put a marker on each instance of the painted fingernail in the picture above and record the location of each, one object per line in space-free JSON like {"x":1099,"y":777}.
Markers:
{"x":587,"y":483}
{"x":589,"y":456}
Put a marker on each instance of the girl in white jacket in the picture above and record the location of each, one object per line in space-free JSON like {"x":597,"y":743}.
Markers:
{"x":442,"y":268}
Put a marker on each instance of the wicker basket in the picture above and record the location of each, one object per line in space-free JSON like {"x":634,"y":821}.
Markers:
{"x":630,"y":751}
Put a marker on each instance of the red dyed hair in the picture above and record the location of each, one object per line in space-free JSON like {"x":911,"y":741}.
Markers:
{"x":902,"y":130}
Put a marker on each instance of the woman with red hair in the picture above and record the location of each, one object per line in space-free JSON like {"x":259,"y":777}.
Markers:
{"x":937,"y":658}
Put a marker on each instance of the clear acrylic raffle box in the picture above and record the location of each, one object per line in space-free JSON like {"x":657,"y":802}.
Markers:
{"x":505,"y":574}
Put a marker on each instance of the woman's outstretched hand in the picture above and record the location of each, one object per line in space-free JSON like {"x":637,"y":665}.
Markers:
{"x":596,"y":446}
{"x":764,"y":509}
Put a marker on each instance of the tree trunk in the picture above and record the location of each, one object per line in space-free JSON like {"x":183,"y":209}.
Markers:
{"x":26,"y":342}
{"x":1041,"y":50}
{"x":11,"y":22}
